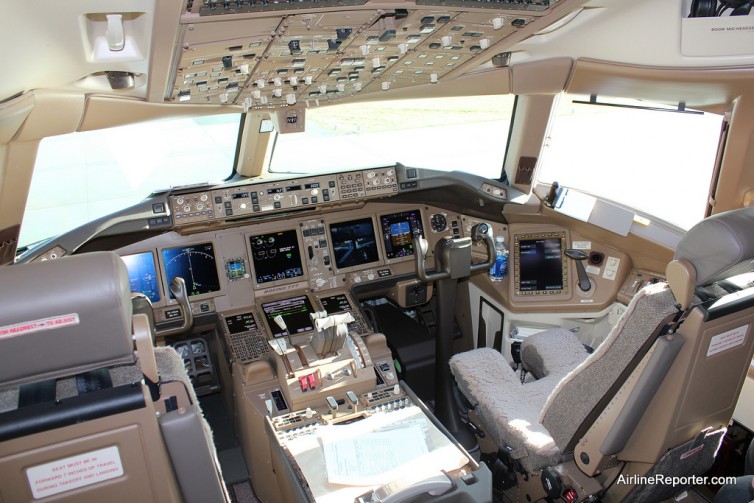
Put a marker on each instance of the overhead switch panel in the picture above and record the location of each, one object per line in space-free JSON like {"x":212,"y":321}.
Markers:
{"x":276,"y":61}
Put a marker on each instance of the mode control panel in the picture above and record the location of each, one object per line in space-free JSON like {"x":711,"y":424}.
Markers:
{"x":249,"y":199}
{"x":282,"y":195}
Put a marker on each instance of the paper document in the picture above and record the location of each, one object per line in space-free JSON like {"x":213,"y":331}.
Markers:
{"x":341,"y":462}
{"x":365,"y":460}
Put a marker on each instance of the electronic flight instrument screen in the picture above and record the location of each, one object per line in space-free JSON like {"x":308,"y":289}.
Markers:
{"x":276,"y":256}
{"x":142,"y":275}
{"x":195,"y":264}
{"x":336,"y":304}
{"x":541,"y":264}
{"x":295,"y":312}
{"x":398,"y":232}
{"x":353,"y":243}
{"x":240,"y":323}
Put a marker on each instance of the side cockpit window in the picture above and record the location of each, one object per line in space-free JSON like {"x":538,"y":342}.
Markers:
{"x":658,"y":162}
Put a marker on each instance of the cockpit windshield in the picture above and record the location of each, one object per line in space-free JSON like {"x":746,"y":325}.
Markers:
{"x":467,"y":133}
{"x":79,"y":177}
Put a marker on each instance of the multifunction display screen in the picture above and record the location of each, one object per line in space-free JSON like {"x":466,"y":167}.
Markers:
{"x":541,"y":264}
{"x":195,"y":264}
{"x":353,"y":243}
{"x":295,"y":312}
{"x":142,"y":275}
{"x":336,"y":304}
{"x":398,"y":232}
{"x":240,"y":323}
{"x":276,"y":256}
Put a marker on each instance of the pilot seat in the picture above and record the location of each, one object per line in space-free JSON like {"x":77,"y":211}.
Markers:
{"x":89,"y":409}
{"x":654,"y":398}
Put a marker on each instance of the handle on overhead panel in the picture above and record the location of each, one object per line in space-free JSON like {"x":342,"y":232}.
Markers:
{"x":178,"y":289}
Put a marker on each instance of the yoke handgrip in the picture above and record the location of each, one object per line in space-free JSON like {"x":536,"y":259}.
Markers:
{"x":483,"y":232}
{"x":178,"y":288}
{"x":480,"y":232}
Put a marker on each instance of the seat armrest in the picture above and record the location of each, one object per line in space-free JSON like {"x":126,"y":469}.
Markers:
{"x":553,"y":352}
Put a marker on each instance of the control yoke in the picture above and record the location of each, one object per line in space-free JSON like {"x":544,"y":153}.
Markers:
{"x":178,"y":288}
{"x":452,"y":262}
{"x":453,"y":255}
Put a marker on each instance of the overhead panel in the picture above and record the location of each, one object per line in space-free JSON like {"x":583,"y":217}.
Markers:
{"x":305,"y":58}
{"x":273,"y":59}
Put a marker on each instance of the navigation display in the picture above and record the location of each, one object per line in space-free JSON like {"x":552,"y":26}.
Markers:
{"x":336,"y":304}
{"x":398,"y":232}
{"x":195,"y":264}
{"x":295,"y":312}
{"x":276,"y":256}
{"x":240,"y":323}
{"x":541,"y":264}
{"x":142,"y":275}
{"x":353,"y":243}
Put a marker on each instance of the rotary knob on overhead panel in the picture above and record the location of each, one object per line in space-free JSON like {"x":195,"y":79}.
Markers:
{"x":179,"y":201}
{"x":314,"y":192}
{"x":277,"y":197}
{"x":187,"y":208}
{"x":371,"y":174}
{"x":203,"y":197}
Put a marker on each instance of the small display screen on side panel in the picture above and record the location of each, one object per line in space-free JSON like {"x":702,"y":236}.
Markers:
{"x":541,"y":264}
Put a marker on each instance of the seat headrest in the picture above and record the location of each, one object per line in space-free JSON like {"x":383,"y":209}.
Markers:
{"x":63,"y":317}
{"x":719,"y":246}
